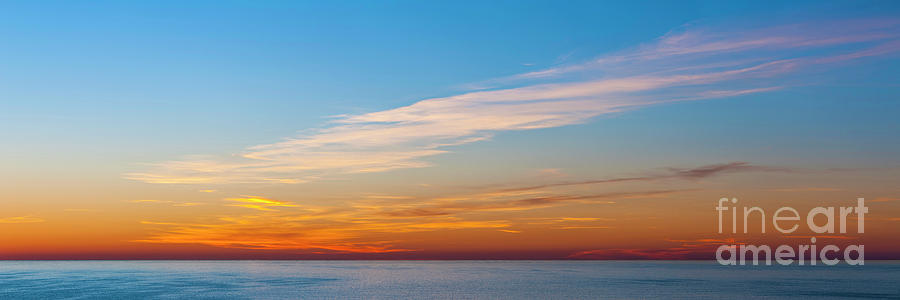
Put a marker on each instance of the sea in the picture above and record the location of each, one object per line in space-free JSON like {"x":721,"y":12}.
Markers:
{"x":441,"y":280}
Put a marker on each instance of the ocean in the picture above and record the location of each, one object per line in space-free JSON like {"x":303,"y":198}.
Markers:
{"x":440,"y":280}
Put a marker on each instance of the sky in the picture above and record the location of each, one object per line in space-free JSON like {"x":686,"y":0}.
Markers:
{"x":439,"y":130}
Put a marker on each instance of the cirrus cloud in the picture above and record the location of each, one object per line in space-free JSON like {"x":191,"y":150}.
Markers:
{"x":692,"y":65}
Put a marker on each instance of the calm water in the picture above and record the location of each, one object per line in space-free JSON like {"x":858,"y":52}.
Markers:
{"x":437,"y":279}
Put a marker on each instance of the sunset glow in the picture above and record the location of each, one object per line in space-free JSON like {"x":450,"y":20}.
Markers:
{"x":267,"y":132}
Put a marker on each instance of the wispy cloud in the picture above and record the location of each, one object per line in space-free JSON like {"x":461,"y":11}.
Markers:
{"x":314,"y":229}
{"x":151,"y":201}
{"x":807,"y":189}
{"x":670,"y":173}
{"x":584,"y":227}
{"x":542,"y":195}
{"x":268,"y":231}
{"x":691,"y":65}
{"x":259,"y":203}
{"x":560,"y":193}
{"x":693,"y":47}
{"x":362,"y":224}
{"x":885,"y":199}
{"x":522,"y":203}
{"x":21,"y":219}
{"x":578,"y":219}
{"x":170,"y":202}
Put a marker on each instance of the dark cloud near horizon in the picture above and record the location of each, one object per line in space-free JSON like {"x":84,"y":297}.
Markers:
{"x":671,"y":173}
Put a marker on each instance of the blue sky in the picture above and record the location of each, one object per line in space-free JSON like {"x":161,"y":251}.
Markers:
{"x":237,"y":72}
{"x":110,"y":102}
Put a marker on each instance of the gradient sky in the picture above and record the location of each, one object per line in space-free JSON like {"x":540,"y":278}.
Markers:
{"x":516,"y":129}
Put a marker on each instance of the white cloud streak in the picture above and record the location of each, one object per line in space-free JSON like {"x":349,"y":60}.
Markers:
{"x":691,"y":65}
